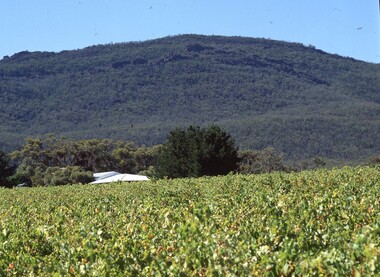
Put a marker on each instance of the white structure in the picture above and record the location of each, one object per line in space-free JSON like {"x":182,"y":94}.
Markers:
{"x":113,"y":176}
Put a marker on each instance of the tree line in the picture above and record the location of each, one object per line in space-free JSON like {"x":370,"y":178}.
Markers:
{"x":187,"y":152}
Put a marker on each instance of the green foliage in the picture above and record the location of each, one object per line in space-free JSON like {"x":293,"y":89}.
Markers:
{"x":313,"y":223}
{"x":375,"y":160}
{"x":299,"y":100}
{"x":41,"y":156}
{"x":264,"y":161}
{"x":196,"y":152}
{"x":145,"y":159}
{"x":56,"y":176}
{"x":220,"y":154}
{"x":6,"y":170}
{"x":16,"y":179}
{"x":179,"y":156}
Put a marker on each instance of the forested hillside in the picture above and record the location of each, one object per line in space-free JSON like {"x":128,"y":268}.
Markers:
{"x":297,"y":99}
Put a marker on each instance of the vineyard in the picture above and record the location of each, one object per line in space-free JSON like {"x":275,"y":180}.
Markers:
{"x":324,"y":222}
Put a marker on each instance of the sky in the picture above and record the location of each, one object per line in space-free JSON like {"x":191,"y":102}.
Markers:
{"x":346,"y":27}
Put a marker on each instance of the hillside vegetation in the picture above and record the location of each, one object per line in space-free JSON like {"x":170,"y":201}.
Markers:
{"x":297,"y":99}
{"x":306,"y":224}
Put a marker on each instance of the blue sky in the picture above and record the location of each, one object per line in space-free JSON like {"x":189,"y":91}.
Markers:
{"x":345,"y":27}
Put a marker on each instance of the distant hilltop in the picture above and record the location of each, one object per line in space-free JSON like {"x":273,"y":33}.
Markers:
{"x":300,"y":100}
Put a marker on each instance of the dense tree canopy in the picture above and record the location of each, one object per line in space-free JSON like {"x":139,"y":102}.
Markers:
{"x":6,"y":169}
{"x":220,"y":154}
{"x":195,"y":152}
{"x":41,"y":157}
{"x":179,"y":155}
{"x":56,"y":176}
{"x":264,"y":161}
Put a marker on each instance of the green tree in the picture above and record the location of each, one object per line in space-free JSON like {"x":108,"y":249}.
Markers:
{"x":219,"y":155}
{"x":196,"y":152}
{"x":39,"y":154}
{"x":6,"y":170}
{"x":145,"y":159}
{"x":56,"y":176}
{"x":178,"y":156}
{"x":95,"y":155}
{"x":262,"y":161}
{"x":123,"y":157}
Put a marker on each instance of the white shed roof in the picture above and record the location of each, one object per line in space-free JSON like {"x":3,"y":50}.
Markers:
{"x":102,"y":175}
{"x":119,"y":178}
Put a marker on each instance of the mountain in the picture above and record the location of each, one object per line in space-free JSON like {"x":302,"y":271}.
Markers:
{"x":298,"y":99}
